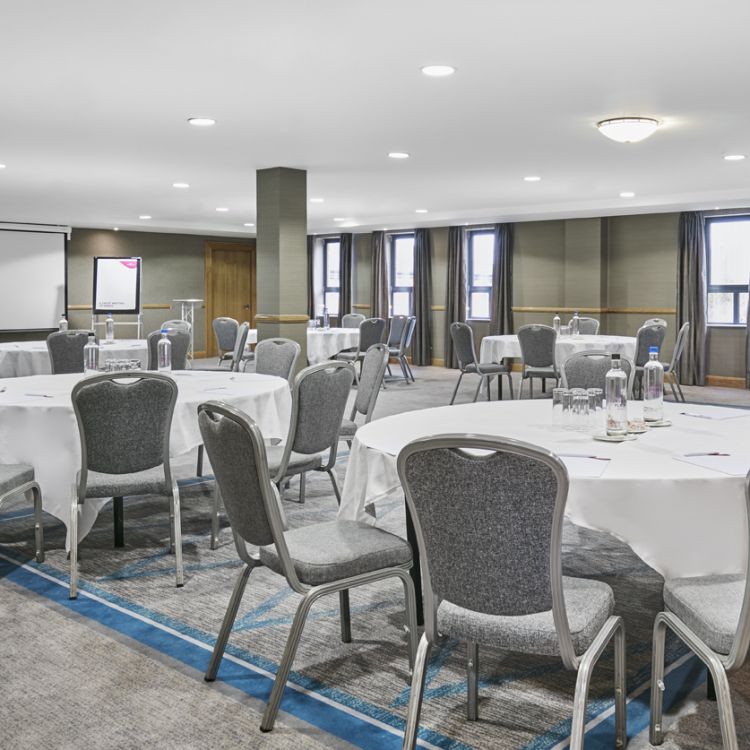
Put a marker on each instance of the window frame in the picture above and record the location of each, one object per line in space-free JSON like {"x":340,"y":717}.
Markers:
{"x":470,"y":287}
{"x":330,"y":289}
{"x":392,"y":288}
{"x":734,"y":289}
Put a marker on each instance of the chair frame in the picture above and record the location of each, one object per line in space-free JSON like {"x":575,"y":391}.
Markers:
{"x":224,"y":354}
{"x":281,"y":340}
{"x":587,"y":318}
{"x":543,"y":378}
{"x":33,"y":487}
{"x":613,"y":628}
{"x":598,"y":353}
{"x":78,"y":490}
{"x":671,"y":371}
{"x":310,"y":594}
{"x":403,"y":344}
{"x":383,"y":348}
{"x":177,"y":324}
{"x":358,"y":354}
{"x":719,"y":665}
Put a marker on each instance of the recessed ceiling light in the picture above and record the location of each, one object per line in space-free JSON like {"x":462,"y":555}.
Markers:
{"x":349,"y":224}
{"x":438,"y":71}
{"x":532,"y":178}
{"x":398,"y":155}
{"x":420,"y":210}
{"x":202,"y":122}
{"x":716,"y":208}
{"x":317,"y":200}
{"x":144,"y":216}
{"x":340,"y":218}
{"x":2,"y":166}
{"x":115,"y":229}
{"x":222,"y":209}
{"x":248,"y":224}
{"x":180,"y":185}
{"x":734,"y":157}
{"x":627,"y":194}
{"x":628,"y":129}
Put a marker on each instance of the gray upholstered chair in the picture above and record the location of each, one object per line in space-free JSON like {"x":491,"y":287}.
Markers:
{"x":176,"y":325}
{"x":225,"y":330}
{"x":18,"y":479}
{"x":589,"y":370}
{"x":587,"y":326}
{"x":66,"y":351}
{"x":398,"y":351}
{"x":371,"y":332}
{"x":396,"y":329}
{"x":352,"y":320}
{"x":489,"y":535}
{"x":538,"y":353}
{"x":277,"y":357}
{"x":124,"y":420}
{"x":672,"y":368}
{"x":316,"y":560}
{"x":648,"y":335}
{"x":468,"y":363}
{"x":655,"y":322}
{"x":711,"y":616}
{"x":373,"y":369}
{"x":319,"y":397}
{"x":238,"y":347}
{"x":180,"y":344}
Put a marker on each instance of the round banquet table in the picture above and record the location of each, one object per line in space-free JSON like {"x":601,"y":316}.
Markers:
{"x":496,"y":348}
{"x":38,"y":425}
{"x":680,"y":518}
{"x":322,"y":344}
{"x":21,"y":358}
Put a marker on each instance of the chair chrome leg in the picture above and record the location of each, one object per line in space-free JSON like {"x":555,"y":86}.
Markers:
{"x":410,"y":600}
{"x":119,"y":518}
{"x":455,"y":390}
{"x":335,"y":485}
{"x":73,"y":532}
{"x":488,"y":380}
{"x":226,"y":624}
{"x":621,"y":709}
{"x":272,"y":707}
{"x":510,"y":385}
{"x":402,"y":362}
{"x":679,"y":388}
{"x":724,"y":705}
{"x":215,"y":505}
{"x":671,"y":385}
{"x":417,"y":692}
{"x":408,"y":367}
{"x":38,"y":528}
{"x":346,"y":617}
{"x":199,"y":462}
{"x":302,"y":485}
{"x":657,"y":681}
{"x":476,"y":393}
{"x":520,"y":387}
{"x":179,"y":574}
{"x":472,"y":679}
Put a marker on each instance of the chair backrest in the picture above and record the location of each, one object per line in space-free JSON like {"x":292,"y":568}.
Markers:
{"x":463,"y":344}
{"x":648,"y":336}
{"x":177,"y":325}
{"x":488,"y":526}
{"x":238,"y":346}
{"x":66,"y":351}
{"x":180,"y":342}
{"x":411,"y":324}
{"x":396,"y":331}
{"x":352,"y":320}
{"x":589,"y":370}
{"x":226,"y":333}
{"x":588,"y":326}
{"x":679,"y":346}
{"x":276,"y":357}
{"x":655,"y":322}
{"x":371,"y":332}
{"x":124,"y":420}
{"x":741,"y":641}
{"x":537,"y":345}
{"x":373,"y":370}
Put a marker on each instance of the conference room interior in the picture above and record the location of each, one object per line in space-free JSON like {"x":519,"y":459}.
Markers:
{"x":501,"y":511}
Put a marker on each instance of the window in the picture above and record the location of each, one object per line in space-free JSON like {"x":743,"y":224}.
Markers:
{"x":402,"y":273}
{"x":331,"y":275}
{"x":728,"y":255}
{"x":480,"y":248}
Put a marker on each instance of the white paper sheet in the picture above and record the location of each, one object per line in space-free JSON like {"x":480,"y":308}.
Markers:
{"x":585,"y":466}
{"x":736,"y":466}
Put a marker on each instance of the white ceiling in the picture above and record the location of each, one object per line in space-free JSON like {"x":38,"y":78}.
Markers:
{"x":94,"y":97}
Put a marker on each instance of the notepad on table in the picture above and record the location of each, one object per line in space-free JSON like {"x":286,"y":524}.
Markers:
{"x":726,"y":463}
{"x":580,"y":465}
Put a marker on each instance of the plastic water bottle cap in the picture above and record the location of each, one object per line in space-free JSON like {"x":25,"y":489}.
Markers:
{"x":164,"y":330}
{"x":653,"y":350}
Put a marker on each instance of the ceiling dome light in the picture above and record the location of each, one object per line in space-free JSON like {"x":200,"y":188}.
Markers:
{"x":2,"y":166}
{"x":202,"y":122}
{"x":398,"y":155}
{"x":438,"y":71}
{"x":180,"y":185}
{"x":116,"y":229}
{"x":248,"y":224}
{"x":420,"y":211}
{"x":734,"y":157}
{"x":317,"y":200}
{"x":628,"y":129}
{"x":222,"y":209}
{"x":627,"y":194}
{"x":145,"y":217}
{"x":532,"y":178}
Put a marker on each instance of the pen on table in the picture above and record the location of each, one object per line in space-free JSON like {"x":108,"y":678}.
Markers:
{"x":41,"y":395}
{"x":582,"y":455}
{"x":710,"y":453}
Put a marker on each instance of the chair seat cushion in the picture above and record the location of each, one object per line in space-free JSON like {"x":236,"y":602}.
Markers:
{"x":540,"y":372}
{"x":588,"y":604}
{"x":149,"y":482}
{"x":298,"y":462}
{"x":331,"y":551}
{"x":710,"y":606}
{"x":487,"y":368}
{"x":347,"y":355}
{"x":348,"y":428}
{"x":14,"y":475}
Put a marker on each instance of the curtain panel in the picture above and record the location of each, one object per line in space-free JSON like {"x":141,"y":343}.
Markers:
{"x":691,"y":295}
{"x":455,"y":293}
{"x":421,"y":350}
{"x":379,"y":301}
{"x":501,"y":302}
{"x":345,"y":274}
{"x":310,"y":276}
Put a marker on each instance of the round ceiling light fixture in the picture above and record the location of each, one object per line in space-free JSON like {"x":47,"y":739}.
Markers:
{"x":201,"y":122}
{"x":532,"y":178}
{"x":398,"y":155}
{"x":627,"y":194}
{"x":180,"y":185}
{"x":734,"y":157}
{"x":144,"y":217}
{"x":438,"y":71}
{"x":628,"y":129}
{"x":248,"y":224}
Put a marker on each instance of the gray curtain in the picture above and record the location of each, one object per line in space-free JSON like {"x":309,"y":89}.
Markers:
{"x":691,"y":295}
{"x":345,"y":275}
{"x":747,"y":340}
{"x":421,"y":349}
{"x":455,"y":294}
{"x":379,"y":301}
{"x":310,"y":277}
{"x":501,"y":302}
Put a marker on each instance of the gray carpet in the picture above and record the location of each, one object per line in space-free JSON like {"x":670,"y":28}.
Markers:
{"x":72,"y":682}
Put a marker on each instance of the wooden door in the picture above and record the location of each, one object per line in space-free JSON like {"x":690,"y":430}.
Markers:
{"x":230,"y":285}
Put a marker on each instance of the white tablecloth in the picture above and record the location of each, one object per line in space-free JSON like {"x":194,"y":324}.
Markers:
{"x":21,"y":358}
{"x":495,"y":348}
{"x":681,"y":519}
{"x":322,"y":345}
{"x":41,"y":429}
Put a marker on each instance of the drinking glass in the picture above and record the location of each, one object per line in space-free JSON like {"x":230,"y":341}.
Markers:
{"x":596,"y":407}
{"x":580,"y":412}
{"x":567,"y":408}
{"x":557,"y":405}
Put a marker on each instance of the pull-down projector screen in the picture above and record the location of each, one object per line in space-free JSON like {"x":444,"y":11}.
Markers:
{"x":32,"y":279}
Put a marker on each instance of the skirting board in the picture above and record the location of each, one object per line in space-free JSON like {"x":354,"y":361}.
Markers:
{"x":725,"y":381}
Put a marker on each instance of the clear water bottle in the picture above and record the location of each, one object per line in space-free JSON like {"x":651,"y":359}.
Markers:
{"x":574,"y":324}
{"x":62,"y":324}
{"x":164,"y":352}
{"x":326,"y":319}
{"x":109,"y":328}
{"x":653,"y":387}
{"x":556,"y":323}
{"x":616,"y":393}
{"x":91,"y":356}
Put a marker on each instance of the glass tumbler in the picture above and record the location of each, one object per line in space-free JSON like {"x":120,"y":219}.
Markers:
{"x":557,"y":405}
{"x":596,"y":407}
{"x":580,"y":419}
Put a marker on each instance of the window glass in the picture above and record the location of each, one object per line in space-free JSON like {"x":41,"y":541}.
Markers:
{"x":728,"y":265}
{"x":481,"y":252}
{"x":743,"y":308}
{"x":332,"y":303}
{"x":333,"y":261}
{"x":401,"y":303}
{"x":720,"y":307}
{"x":403,"y":260}
{"x":480,"y":305}
{"x":480,"y":248}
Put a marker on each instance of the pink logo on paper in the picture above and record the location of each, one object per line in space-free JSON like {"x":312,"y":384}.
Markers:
{"x":130,"y":263}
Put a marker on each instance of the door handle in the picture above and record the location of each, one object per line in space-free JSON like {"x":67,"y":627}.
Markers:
{"x":246,"y":307}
